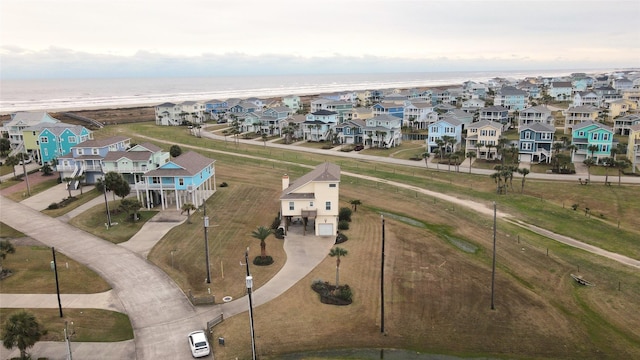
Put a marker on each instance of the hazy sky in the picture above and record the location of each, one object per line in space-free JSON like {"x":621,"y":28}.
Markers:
{"x":96,"y":38}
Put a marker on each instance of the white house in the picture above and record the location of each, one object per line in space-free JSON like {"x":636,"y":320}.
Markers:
{"x":314,"y":199}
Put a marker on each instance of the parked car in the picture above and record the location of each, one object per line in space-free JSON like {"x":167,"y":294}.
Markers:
{"x":358,"y":147}
{"x":27,"y":160}
{"x":199,"y":344}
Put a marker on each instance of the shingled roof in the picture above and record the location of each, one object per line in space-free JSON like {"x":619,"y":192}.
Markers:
{"x":189,"y":164}
{"x":322,"y":173}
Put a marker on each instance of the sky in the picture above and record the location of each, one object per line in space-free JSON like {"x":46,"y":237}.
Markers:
{"x":152,"y":38}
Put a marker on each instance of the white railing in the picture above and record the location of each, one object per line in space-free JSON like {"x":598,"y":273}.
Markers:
{"x":130,"y":169}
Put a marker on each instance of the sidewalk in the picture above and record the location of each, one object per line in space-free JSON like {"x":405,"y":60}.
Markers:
{"x":106,"y":300}
{"x":153,"y":230}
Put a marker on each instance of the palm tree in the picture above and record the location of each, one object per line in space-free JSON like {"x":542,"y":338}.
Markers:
{"x":435,"y":153}
{"x":440,"y":143}
{"x":264,"y":139}
{"x":608,"y":162}
{"x":488,"y":146}
{"x":12,"y":161}
{"x":557,"y":146}
{"x":188,"y":207}
{"x":425,"y":156}
{"x":261,"y":233}
{"x":497,"y":177}
{"x":68,"y":180}
{"x":338,"y":252}
{"x":524,"y":172}
{"x":22,"y":330}
{"x":471,"y":155}
{"x":589,"y":163}
{"x":6,"y":247}
{"x":621,"y":165}
{"x":592,"y":149}
{"x":80,"y":179}
{"x":355,"y":204}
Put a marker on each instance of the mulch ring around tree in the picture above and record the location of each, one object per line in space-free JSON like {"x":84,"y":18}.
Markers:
{"x":332,"y":295}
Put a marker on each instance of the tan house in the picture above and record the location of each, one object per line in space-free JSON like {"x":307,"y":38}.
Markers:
{"x":633,"y":147}
{"x":619,"y":107}
{"x":482,"y":138}
{"x":577,"y":114}
{"x":313,"y":200}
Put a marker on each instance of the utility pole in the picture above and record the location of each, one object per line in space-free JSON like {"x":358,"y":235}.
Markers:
{"x":382,"y":281}
{"x":249,"y":281}
{"x":26,"y":176}
{"x":493,"y":272}
{"x":104,"y":192}
{"x":206,"y":242}
{"x":55,"y":270}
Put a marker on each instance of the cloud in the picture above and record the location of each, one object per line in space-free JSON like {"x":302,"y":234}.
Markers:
{"x":56,"y":62}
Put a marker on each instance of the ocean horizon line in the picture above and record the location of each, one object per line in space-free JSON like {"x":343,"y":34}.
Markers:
{"x":58,"y":95}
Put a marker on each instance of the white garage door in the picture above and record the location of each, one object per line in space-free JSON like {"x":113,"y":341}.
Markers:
{"x":325,"y":229}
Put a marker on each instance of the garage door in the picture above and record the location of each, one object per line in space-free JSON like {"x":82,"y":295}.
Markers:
{"x":325,"y":229}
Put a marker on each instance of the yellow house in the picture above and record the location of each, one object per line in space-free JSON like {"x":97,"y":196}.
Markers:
{"x":482,"y":138}
{"x":312,"y":200}
{"x":633,"y":147}
{"x":620,"y":107}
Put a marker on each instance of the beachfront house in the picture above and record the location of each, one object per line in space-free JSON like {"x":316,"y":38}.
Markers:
{"x":340,"y":107}
{"x":449,"y":127}
{"x":441,"y":96}
{"x":511,"y":98}
{"x":482,"y":138}
{"x":317,"y":124}
{"x":607,"y":93}
{"x":622,"y":125}
{"x":14,"y":128}
{"x":622,"y":83}
{"x":351,"y":131}
{"x":633,"y":146}
{"x":193,"y":112}
{"x":590,"y":133}
{"x":473,"y":105}
{"x":293,"y":102}
{"x":312,"y":199}
{"x":359,"y":113}
{"x":535,"y":142}
{"x":244,"y":107}
{"x":188,"y":178}
{"x":577,"y":114}
{"x":133,"y":163}
{"x":85,"y":159}
{"x":540,"y":114}
{"x":168,"y":114}
{"x":48,"y":141}
{"x":383,"y":131}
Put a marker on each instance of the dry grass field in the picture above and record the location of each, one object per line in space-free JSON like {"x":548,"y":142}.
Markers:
{"x":437,"y":295}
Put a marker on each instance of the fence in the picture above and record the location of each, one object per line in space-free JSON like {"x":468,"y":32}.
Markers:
{"x":201,"y":300}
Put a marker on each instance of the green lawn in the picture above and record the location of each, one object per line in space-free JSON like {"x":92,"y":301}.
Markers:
{"x":34,"y":189}
{"x":8,"y":232}
{"x":81,"y":199}
{"x":93,"y":221}
{"x":85,"y":325}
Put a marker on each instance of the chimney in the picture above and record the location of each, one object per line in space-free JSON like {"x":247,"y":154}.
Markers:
{"x":285,"y":181}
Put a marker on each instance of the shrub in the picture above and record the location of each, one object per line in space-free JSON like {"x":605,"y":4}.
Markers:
{"x":344,"y":214}
{"x":53,"y":206}
{"x":279,"y":233}
{"x":340,"y":238}
{"x":263,"y":261}
{"x":224,"y":184}
{"x":275,"y":223}
{"x":574,"y":207}
{"x":343,"y":225}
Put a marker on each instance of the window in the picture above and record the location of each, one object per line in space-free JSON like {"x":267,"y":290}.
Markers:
{"x":291,"y":206}
{"x":310,"y":204}
{"x":155,"y":180}
{"x":46,"y":152}
{"x":80,"y":151}
{"x":545,"y":136}
{"x":594,"y":136}
{"x":332,"y":185}
{"x":525,"y":146}
{"x":328,"y":205}
{"x":72,"y":139}
{"x":527,"y":135}
{"x":44,"y":139}
{"x":181,"y":181}
{"x":605,"y":137}
{"x":95,"y":152}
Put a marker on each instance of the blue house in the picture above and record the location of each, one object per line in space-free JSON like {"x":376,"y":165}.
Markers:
{"x":589,"y":133}
{"x":54,"y":140}
{"x":388,"y":108}
{"x":511,"y":98}
{"x":445,"y":127}
{"x":188,"y":178}
{"x":535,"y":142}
{"x":86,"y":158}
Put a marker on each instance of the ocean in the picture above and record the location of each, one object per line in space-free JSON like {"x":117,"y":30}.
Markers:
{"x":75,"y":94}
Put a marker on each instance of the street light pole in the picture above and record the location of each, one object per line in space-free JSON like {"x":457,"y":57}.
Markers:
{"x":382,"y":281}
{"x":249,"y":281}
{"x":206,"y":242}
{"x":26,"y":176}
{"x":104,"y":192}
{"x":55,"y":270}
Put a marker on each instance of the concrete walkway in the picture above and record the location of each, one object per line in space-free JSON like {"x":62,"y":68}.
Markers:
{"x":153,"y":231}
{"x":105,"y":300}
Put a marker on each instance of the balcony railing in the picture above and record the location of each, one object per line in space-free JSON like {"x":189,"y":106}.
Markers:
{"x":129,"y":169}
{"x":83,"y":167}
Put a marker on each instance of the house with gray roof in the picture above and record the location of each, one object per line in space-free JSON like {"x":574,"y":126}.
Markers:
{"x":85,"y":159}
{"x":188,"y":178}
{"x":535,"y":142}
{"x":536,"y":114}
{"x":313,"y":199}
